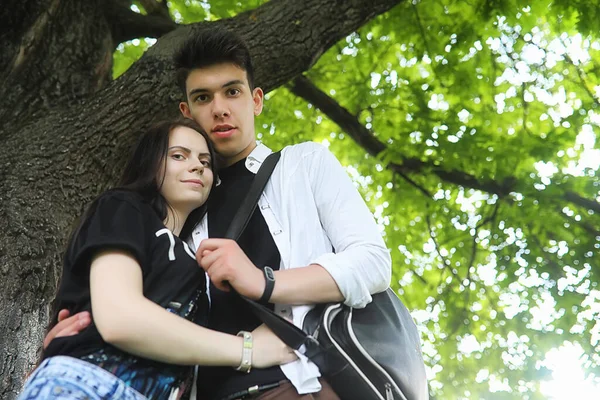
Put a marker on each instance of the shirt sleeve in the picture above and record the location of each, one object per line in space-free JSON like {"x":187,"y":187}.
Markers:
{"x":361,"y":264}
{"x":116,"y":222}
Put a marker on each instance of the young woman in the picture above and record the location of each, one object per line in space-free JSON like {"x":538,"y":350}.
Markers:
{"x":126,"y":264}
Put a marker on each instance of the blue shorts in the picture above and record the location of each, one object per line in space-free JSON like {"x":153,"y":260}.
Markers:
{"x":62,"y":377}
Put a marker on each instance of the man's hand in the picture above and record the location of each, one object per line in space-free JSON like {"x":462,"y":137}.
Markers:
{"x":225,"y":263}
{"x":68,"y":325}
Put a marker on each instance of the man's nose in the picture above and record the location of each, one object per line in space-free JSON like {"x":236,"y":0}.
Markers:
{"x":220,"y":107}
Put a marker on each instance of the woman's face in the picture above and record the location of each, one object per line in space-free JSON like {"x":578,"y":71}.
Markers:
{"x":188,"y":174}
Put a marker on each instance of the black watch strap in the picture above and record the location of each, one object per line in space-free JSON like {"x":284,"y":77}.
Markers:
{"x":269,"y":285}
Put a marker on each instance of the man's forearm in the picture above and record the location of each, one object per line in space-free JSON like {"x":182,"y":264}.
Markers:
{"x":305,"y":285}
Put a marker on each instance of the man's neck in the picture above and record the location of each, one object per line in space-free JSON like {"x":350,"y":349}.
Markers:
{"x":240,"y":156}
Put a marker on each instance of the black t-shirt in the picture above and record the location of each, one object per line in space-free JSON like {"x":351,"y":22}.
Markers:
{"x":228,"y":312}
{"x":171,"y":278}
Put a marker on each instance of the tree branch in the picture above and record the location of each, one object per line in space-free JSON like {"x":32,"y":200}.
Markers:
{"x":156,"y":7}
{"x":588,"y":204}
{"x":425,"y":40}
{"x":303,"y":87}
{"x":420,"y":188}
{"x":580,"y":73}
{"x":591,"y":230}
{"x":126,"y":24}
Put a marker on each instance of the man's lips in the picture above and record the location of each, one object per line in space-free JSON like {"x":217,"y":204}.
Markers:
{"x":194,"y":181}
{"x":223,"y":130}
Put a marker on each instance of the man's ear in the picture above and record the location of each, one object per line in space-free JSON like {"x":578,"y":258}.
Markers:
{"x":257,"y":98}
{"x":185,"y":109}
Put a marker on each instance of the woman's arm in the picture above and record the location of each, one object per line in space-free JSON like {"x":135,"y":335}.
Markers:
{"x":131,"y":322}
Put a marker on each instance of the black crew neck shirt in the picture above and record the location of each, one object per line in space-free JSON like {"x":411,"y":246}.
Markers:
{"x":228,"y":312}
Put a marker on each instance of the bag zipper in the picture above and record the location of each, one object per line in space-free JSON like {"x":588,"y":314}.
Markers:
{"x":389,"y":395}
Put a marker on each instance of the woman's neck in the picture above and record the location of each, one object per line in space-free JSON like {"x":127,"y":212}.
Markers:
{"x":175,"y":220}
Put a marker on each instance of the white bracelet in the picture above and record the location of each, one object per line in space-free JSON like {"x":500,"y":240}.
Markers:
{"x":246,"y":363}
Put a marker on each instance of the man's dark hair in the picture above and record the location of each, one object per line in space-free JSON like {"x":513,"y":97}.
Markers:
{"x":208,"y":47}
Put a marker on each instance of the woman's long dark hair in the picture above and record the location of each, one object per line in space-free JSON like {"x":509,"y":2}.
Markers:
{"x":141,"y":175}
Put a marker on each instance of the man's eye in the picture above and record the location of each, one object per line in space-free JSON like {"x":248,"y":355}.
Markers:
{"x":234,"y":92}
{"x":202,"y":98}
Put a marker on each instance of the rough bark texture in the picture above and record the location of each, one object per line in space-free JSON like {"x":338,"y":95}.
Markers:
{"x":65,"y":127}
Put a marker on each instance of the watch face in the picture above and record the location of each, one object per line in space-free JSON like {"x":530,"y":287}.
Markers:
{"x":269,"y":273}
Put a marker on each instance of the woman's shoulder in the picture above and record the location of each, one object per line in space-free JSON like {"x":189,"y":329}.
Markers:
{"x":123,"y":197}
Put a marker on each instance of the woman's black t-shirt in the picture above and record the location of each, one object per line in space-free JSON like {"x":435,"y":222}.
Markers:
{"x":122,"y":220}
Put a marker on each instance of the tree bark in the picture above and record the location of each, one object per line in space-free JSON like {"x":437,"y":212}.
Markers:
{"x":65,"y":127}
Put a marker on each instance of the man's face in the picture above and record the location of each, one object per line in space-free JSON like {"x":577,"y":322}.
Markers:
{"x":220,"y":100}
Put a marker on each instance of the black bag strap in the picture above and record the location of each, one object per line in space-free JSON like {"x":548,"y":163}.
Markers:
{"x":243,"y":214}
{"x":289,"y":333}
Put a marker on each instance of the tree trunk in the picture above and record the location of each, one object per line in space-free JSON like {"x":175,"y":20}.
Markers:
{"x":65,"y":127}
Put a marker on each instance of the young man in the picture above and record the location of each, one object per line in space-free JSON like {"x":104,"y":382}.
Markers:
{"x":311,"y":228}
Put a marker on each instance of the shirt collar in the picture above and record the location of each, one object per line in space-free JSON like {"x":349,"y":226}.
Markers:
{"x":254,"y":159}
{"x":257,"y":157}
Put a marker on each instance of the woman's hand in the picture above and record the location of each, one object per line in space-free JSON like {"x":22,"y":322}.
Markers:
{"x":268,"y":350}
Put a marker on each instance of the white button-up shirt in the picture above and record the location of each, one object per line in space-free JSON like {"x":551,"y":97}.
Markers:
{"x":316,"y":216}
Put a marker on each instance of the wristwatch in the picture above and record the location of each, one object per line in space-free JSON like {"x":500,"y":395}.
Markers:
{"x":269,"y":285}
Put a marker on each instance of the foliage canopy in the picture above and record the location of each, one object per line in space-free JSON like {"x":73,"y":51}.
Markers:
{"x":479,"y":160}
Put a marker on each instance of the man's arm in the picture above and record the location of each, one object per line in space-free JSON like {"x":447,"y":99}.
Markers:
{"x":227,"y":265}
{"x":68,"y":325}
{"x":361,"y":264}
{"x":311,"y":284}
{"x":360,"y":267}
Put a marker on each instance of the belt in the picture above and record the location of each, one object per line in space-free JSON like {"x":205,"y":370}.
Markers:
{"x":252,"y":390}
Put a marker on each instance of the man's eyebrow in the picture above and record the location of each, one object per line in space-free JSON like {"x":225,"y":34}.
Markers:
{"x":205,"y":90}
{"x":233,"y":82}
{"x":197,"y":90}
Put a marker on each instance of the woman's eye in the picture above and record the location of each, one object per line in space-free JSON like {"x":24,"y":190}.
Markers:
{"x":177,"y":157}
{"x":205,"y":163}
